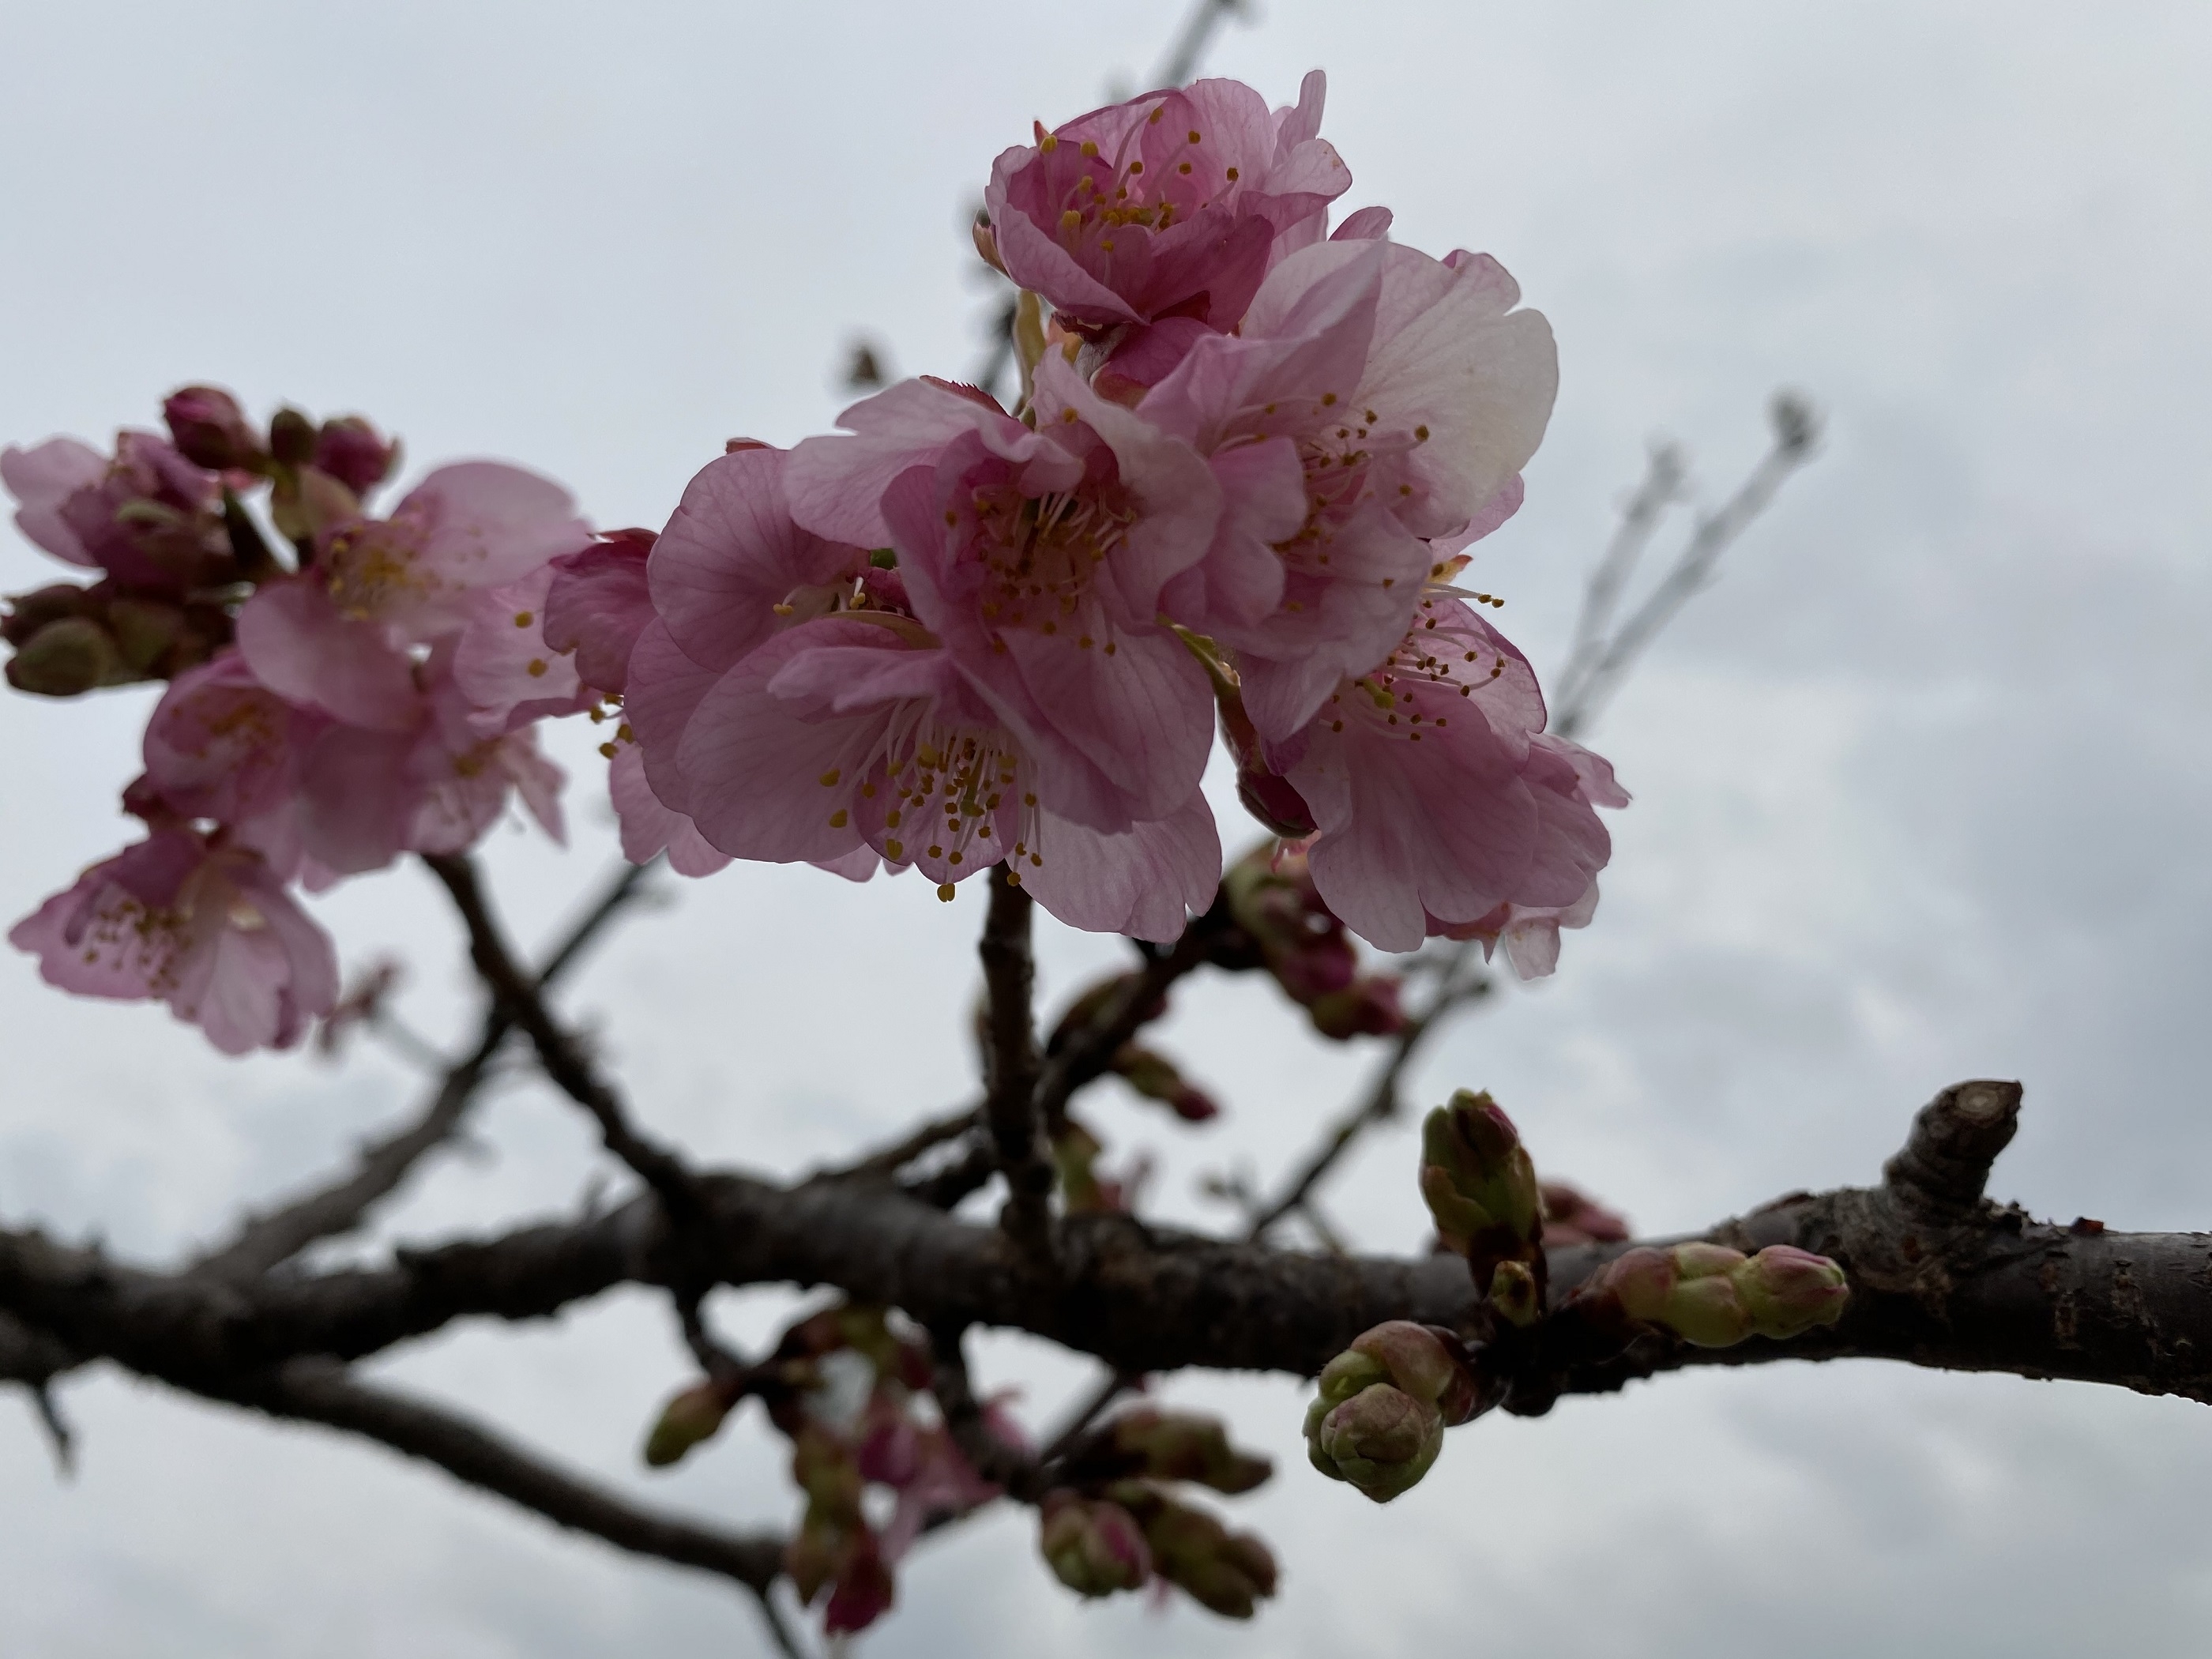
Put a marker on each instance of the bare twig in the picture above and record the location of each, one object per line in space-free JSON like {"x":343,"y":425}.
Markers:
{"x":317,"y":1391}
{"x":1596,"y":672}
{"x":1379,"y":1104}
{"x":263,"y":1243}
{"x":1088,"y":1053}
{"x":1010,"y":1083}
{"x":1198,"y":31}
{"x":1662,"y":486}
{"x":924,"y":1138}
{"x":564,"y":1062}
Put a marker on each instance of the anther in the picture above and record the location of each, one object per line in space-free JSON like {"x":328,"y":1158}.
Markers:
{"x":523,"y":619}
{"x":838,"y":818}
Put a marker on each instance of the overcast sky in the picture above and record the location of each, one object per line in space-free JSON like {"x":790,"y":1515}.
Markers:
{"x":1917,"y":784}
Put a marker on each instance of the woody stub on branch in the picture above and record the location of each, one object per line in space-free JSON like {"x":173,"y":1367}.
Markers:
{"x":1239,"y":488}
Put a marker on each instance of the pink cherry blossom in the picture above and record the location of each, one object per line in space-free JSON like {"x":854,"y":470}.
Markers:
{"x":149,"y":518}
{"x":406,"y":580}
{"x":1413,"y":392}
{"x":599,"y":602}
{"x":224,"y":748}
{"x":204,"y":927}
{"x":1171,"y":205}
{"x":857,"y":732}
{"x":1037,"y":558}
{"x":504,"y":667}
{"x":1437,"y":795}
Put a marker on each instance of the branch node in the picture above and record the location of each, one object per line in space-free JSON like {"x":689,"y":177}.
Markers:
{"x":1941,"y":1172}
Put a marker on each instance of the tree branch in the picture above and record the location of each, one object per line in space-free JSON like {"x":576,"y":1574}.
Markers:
{"x":317,"y":1391}
{"x":263,"y":1243}
{"x":563,"y":1059}
{"x":1988,"y":1290}
{"x":1087,"y":1054}
{"x":1381,"y":1101}
{"x":1009,"y":1082}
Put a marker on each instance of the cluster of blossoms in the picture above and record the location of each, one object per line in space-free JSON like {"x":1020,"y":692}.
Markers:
{"x":323,"y":713}
{"x":1238,"y":484}
{"x":1247,"y":458}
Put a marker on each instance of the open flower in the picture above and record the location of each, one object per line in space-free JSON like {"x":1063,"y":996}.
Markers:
{"x":149,"y":518}
{"x":203,"y":926}
{"x":1437,"y":795}
{"x":1037,"y":558}
{"x":1171,"y":205}
{"x":1412,"y":392}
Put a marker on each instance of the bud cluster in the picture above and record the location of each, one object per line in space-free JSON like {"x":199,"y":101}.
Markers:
{"x":1288,"y":929}
{"x":1379,"y":1420}
{"x":1480,"y":1187}
{"x":1712,"y":1297}
{"x":1115,"y":1523}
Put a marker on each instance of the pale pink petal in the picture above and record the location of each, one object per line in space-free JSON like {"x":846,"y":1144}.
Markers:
{"x":299,"y":646}
{"x":503,"y":666}
{"x":732,"y":553}
{"x":600,"y":603}
{"x":1145,"y":882}
{"x":650,"y":829}
{"x":41,"y":479}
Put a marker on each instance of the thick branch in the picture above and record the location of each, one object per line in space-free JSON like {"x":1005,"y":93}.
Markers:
{"x":1992,"y":1290}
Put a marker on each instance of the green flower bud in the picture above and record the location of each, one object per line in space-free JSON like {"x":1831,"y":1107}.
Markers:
{"x":1513,"y":1293}
{"x":66,"y":658}
{"x":1094,"y":1546}
{"x":1714,"y":1297}
{"x":1184,"y":1446}
{"x":691,"y":1418}
{"x":1381,"y":1441}
{"x":1476,"y":1177}
{"x":1788,"y":1291}
{"x":1227,"y":1572}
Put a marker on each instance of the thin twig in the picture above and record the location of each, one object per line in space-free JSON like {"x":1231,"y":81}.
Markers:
{"x":58,"y":1435}
{"x":264,"y":1243}
{"x":317,"y":1391}
{"x":1089,"y":1054}
{"x":1184,"y":58}
{"x":1084,"y":1412}
{"x":926,"y":1137}
{"x":563,"y":1059}
{"x":1662,"y":486}
{"x":1582,"y":695}
{"x":1381,"y":1102}
{"x":1003,"y":1466}
{"x":1010,"y":1100}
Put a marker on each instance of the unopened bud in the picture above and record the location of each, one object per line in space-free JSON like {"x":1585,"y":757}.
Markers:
{"x":1228,"y":1573}
{"x":355,"y":453}
{"x":1094,"y":1546}
{"x":146,"y":632}
{"x":1789,"y":1291}
{"x":1169,"y":1445}
{"x":691,"y":1418}
{"x":66,"y":658}
{"x":1155,"y":1077}
{"x":211,"y":429}
{"x":1478,"y":1179}
{"x":291,"y":437}
{"x":1714,"y":1297}
{"x":1379,"y":1420}
{"x":1513,"y":1292}
{"x":1366,"y":1008}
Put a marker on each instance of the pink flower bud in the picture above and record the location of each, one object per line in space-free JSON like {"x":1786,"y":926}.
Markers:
{"x":1366,"y":1008}
{"x":1228,"y":1573}
{"x":1789,"y":1291}
{"x":1155,"y":1077}
{"x":211,"y":429}
{"x":354,"y":453}
{"x":1095,"y":1548}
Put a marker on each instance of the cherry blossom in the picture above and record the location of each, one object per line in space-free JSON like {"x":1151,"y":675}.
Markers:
{"x":205,"y":927}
